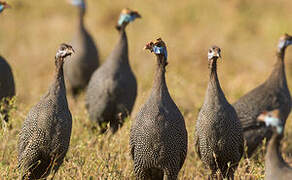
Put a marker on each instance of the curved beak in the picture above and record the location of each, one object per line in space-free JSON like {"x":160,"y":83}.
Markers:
{"x":136,"y":14}
{"x":149,"y":46}
{"x":217,"y":54}
{"x":289,"y":40}
{"x":72,"y":51}
{"x":261,"y":117}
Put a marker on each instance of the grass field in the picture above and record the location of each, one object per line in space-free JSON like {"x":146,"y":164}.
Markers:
{"x":246,"y":31}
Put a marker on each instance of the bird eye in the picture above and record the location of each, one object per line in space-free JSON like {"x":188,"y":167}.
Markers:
{"x":210,"y":51}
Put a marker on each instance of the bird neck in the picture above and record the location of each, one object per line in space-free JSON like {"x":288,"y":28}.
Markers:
{"x":214,"y":91}
{"x":123,"y":35}
{"x":122,"y":27}
{"x":278,"y":74}
{"x":123,"y":47}
{"x":81,"y":17}
{"x":59,"y":76}
{"x":159,"y":80}
{"x":273,"y":156}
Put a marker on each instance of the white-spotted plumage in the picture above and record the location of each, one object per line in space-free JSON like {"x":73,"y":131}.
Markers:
{"x":45,"y":135}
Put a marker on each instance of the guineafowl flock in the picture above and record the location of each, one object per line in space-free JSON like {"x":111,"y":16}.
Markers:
{"x":225,"y":133}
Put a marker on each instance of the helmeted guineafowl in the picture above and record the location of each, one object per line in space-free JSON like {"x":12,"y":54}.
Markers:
{"x":275,"y":166}
{"x":45,"y":136}
{"x":218,"y":138}
{"x":158,"y":137}
{"x":272,"y":94}
{"x":112,"y":89}
{"x":79,"y":68}
{"x":3,"y":5}
{"x":7,"y":86}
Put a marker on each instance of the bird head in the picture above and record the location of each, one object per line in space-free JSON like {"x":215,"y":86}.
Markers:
{"x":78,"y":3}
{"x":127,"y":15}
{"x":4,"y":5}
{"x":284,"y":42}
{"x":158,"y":47}
{"x":272,"y":119}
{"x":64,"y":51}
{"x":214,"y":53}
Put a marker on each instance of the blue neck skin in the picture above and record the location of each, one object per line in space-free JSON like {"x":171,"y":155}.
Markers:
{"x":275,"y":122}
{"x":283,"y":44}
{"x":126,"y":18}
{"x":160,"y":50}
{"x":1,"y":8}
{"x":79,"y":3}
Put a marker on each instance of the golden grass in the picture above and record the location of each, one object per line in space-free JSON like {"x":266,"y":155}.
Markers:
{"x":246,"y":31}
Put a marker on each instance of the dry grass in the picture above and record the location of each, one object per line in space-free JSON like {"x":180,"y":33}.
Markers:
{"x":246,"y":31}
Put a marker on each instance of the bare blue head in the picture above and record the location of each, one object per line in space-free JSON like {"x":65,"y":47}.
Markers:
{"x":158,"y":47}
{"x":4,"y":5}
{"x":78,"y":3}
{"x":284,"y":42}
{"x":214,"y":53}
{"x":127,"y":15}
{"x":64,"y":51}
{"x":272,"y":118}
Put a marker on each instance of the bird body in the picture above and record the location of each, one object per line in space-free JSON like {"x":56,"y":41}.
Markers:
{"x":112,"y":89}
{"x":45,"y":135}
{"x":79,"y":69}
{"x":7,"y":88}
{"x":275,"y":166}
{"x":218,"y":138}
{"x":273,"y":93}
{"x":158,"y":138}
{"x":7,"y":85}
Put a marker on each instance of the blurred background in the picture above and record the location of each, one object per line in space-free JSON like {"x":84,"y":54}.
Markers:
{"x":247,"y":32}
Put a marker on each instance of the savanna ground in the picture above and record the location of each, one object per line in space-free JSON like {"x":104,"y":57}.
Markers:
{"x":246,"y":31}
